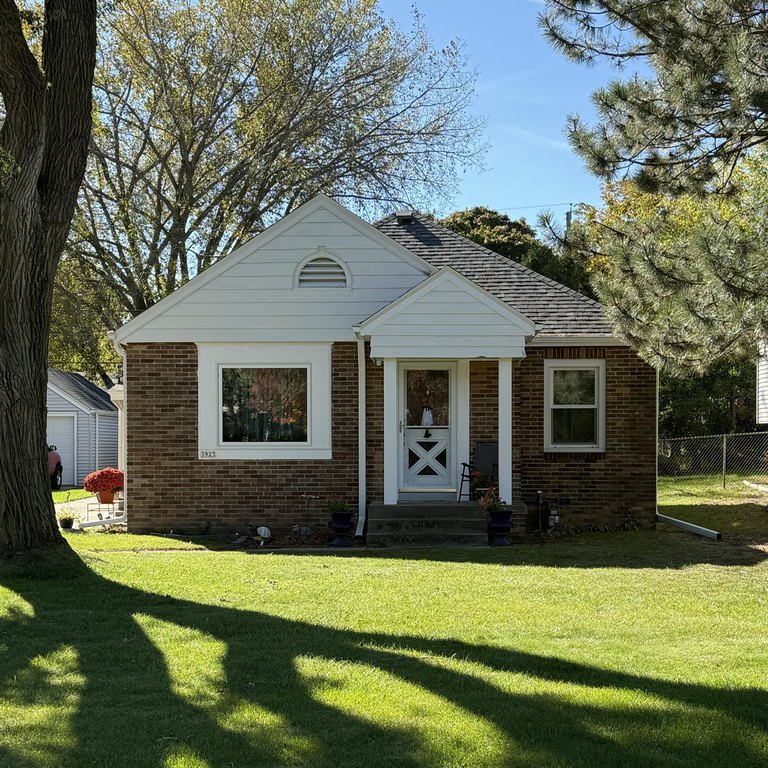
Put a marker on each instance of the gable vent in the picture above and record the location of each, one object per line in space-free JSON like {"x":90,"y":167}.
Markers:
{"x":322,"y":272}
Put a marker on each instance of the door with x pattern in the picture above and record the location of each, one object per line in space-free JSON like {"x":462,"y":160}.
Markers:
{"x":427,"y":399}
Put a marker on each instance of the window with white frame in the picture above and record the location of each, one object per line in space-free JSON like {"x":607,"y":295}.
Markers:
{"x":264,"y":404}
{"x":265,"y":401}
{"x":574,"y":405}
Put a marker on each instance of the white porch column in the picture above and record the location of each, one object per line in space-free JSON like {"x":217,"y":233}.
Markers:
{"x":391,"y":432}
{"x":505,"y":429}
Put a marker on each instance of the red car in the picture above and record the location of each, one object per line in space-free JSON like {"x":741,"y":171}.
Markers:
{"x":54,"y":467}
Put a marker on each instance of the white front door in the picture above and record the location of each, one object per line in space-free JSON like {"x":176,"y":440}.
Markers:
{"x":427,"y":399}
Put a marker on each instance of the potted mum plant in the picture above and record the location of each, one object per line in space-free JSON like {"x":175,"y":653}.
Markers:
{"x":105,"y":483}
{"x":499,"y":518}
{"x":341,"y":521}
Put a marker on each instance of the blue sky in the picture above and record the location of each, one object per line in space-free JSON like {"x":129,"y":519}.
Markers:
{"x":525,"y":90}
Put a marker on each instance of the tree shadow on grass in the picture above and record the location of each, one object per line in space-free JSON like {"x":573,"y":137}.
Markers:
{"x":102,"y":674}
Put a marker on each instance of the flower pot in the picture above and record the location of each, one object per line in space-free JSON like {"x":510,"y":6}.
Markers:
{"x":66,"y":523}
{"x":499,"y":526}
{"x":341,"y":525}
{"x":105,"y":497}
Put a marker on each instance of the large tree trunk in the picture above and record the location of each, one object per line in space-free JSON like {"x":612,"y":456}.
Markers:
{"x":26,"y":510}
{"x":43,"y":145}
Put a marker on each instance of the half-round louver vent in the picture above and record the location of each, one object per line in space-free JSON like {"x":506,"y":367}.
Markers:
{"x":322,"y":272}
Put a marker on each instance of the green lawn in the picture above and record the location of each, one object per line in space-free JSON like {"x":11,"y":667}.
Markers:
{"x":629,"y":649}
{"x":60,"y":497}
{"x":739,"y":511}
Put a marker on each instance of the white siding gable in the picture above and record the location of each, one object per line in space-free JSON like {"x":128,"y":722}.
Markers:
{"x":447,"y":316}
{"x":253,"y":294}
{"x":762,"y":386}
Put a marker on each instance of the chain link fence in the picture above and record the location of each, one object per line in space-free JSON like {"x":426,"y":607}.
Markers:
{"x":713,"y":465}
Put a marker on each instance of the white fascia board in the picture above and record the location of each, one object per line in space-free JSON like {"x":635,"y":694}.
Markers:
{"x":576,"y":340}
{"x":447,"y":275}
{"x":69,"y":399}
{"x":123,"y":334}
{"x":384,"y":349}
{"x":245,"y":335}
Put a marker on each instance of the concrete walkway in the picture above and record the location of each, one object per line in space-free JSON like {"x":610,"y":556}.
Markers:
{"x":89,"y":509}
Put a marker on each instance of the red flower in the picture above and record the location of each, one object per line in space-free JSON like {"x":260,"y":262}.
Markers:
{"x":107,"y":479}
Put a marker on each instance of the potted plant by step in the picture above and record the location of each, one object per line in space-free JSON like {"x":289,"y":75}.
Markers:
{"x":499,"y":518}
{"x":105,"y":483}
{"x":341,"y":522}
{"x":67,"y":518}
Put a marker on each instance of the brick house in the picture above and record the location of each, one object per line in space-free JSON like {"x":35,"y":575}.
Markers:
{"x":331,"y":357}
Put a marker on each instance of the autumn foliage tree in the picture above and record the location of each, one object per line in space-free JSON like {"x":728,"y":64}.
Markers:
{"x":214,"y":119}
{"x":46,"y":68}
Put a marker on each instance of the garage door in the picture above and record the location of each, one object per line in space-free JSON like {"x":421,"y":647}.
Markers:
{"x":61,"y":433}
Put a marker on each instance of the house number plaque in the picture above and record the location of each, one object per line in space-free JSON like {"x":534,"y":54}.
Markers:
{"x":207,"y":454}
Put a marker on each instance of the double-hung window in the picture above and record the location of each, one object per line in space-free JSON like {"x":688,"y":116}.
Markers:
{"x":264,"y":401}
{"x":574,"y":405}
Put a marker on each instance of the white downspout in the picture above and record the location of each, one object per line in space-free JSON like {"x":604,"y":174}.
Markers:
{"x":122,"y":422}
{"x":361,"y":438}
{"x":97,"y":440}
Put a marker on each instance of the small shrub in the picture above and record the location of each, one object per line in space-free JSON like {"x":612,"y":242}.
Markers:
{"x":337,"y":504}
{"x":67,"y":518}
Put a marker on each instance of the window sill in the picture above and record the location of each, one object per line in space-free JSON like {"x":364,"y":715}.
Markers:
{"x":573,"y":449}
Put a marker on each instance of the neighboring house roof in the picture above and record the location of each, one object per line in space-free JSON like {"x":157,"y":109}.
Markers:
{"x":554,"y":308}
{"x":78,"y":388}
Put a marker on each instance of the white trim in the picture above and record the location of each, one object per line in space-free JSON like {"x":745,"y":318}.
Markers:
{"x":392,"y":433}
{"x":361,"y":438}
{"x":576,"y":340}
{"x":64,"y":396}
{"x":582,"y":364}
{"x":96,"y":429}
{"x":321,"y":253}
{"x":444,"y":275}
{"x":316,"y":358}
{"x":462,"y":416}
{"x":505,"y":429}
{"x":124,"y":334}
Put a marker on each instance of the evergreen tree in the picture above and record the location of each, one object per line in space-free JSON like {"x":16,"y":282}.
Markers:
{"x":678,"y":255}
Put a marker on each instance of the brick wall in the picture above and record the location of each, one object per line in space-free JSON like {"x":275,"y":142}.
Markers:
{"x":374,"y":420}
{"x":603,"y":487}
{"x":483,"y":403}
{"x":169,"y":488}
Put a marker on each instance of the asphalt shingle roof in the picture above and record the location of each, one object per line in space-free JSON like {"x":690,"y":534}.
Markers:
{"x":80,"y":389}
{"x":554,"y":308}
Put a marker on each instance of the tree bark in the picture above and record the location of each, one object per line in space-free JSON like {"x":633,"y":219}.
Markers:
{"x":43,"y":141}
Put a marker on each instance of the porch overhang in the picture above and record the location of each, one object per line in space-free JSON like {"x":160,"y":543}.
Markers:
{"x":447,"y":316}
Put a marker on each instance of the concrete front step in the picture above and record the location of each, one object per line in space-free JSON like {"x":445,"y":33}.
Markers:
{"x":456,"y":538}
{"x":427,"y":525}
{"x":423,"y":510}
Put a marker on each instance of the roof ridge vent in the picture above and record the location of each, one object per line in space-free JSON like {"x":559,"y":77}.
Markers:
{"x":405,"y":216}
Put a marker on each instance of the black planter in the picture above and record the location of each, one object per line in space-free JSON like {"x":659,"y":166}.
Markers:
{"x":341,"y":525}
{"x":499,"y":526}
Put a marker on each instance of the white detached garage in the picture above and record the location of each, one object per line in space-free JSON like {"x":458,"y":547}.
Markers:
{"x":82,"y":424}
